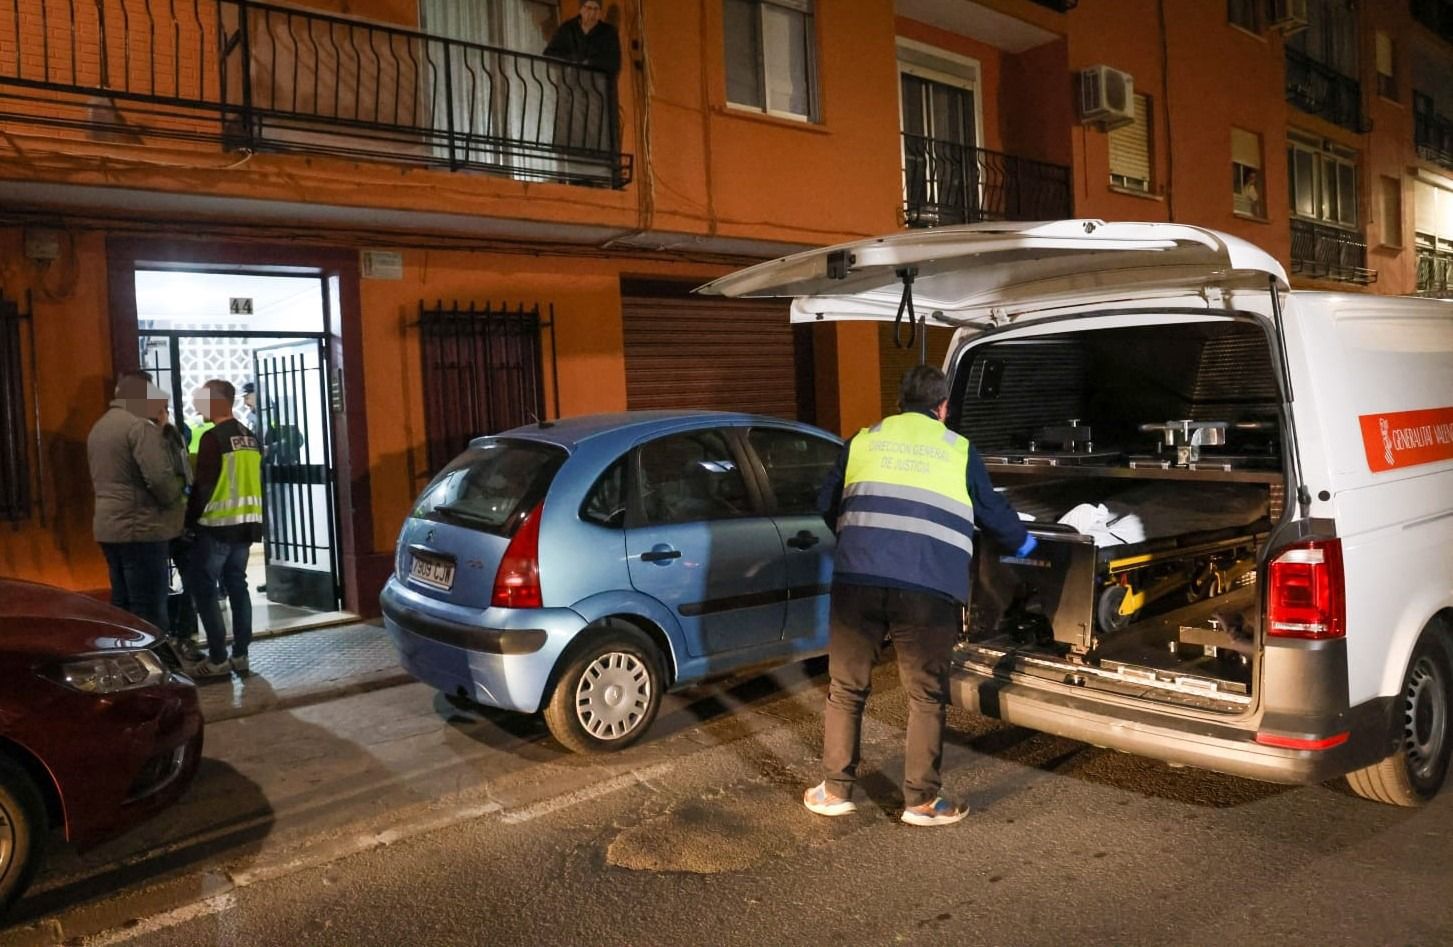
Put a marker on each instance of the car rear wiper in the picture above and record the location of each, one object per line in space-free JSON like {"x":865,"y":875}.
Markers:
{"x":465,"y":516}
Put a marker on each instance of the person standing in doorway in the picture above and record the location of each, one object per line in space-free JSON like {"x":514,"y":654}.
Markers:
{"x":135,"y":488}
{"x":903,"y":501}
{"x":183,"y":620}
{"x":224,"y":514}
{"x":587,"y":40}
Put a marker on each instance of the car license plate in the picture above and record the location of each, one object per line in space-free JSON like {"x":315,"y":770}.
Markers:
{"x":435,"y":573}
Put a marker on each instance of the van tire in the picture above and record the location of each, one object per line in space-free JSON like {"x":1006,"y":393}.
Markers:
{"x":23,"y":828}
{"x":590,"y":719}
{"x":1408,"y":777}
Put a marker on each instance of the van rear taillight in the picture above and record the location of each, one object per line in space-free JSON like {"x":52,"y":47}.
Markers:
{"x":1305,"y":592}
{"x":517,"y":583}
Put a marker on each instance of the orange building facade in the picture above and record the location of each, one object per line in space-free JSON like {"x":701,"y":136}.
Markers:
{"x":431,"y":171}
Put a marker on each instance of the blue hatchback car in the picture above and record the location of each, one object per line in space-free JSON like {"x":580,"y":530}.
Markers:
{"x":585,"y":566}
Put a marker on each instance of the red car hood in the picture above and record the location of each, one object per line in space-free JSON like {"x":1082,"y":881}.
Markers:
{"x":40,"y":619}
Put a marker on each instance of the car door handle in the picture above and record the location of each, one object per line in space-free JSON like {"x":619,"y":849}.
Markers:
{"x":803,"y":540}
{"x":661,"y":554}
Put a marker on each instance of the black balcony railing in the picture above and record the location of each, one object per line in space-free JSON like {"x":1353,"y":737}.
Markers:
{"x":1320,"y":90}
{"x":1432,"y":133}
{"x":264,"y":77}
{"x":1435,"y":271}
{"x":1330,"y":253}
{"x":1059,"y":6}
{"x":948,"y":183}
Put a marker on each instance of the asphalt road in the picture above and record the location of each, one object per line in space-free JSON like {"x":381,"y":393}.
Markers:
{"x":697,"y":836}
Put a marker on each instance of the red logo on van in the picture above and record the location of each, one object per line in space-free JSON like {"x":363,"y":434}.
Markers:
{"x":1407,"y":438}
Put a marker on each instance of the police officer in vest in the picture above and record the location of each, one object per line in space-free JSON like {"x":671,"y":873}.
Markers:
{"x":904,"y":502}
{"x":225,"y":513}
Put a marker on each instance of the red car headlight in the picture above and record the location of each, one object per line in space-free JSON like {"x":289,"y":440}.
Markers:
{"x":111,"y":672}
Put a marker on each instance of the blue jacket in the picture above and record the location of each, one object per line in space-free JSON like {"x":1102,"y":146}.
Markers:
{"x":992,"y":514}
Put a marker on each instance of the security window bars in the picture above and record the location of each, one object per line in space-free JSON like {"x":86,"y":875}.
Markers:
{"x":482,"y":373}
{"x":15,"y":499}
{"x":771,"y":60}
{"x":1130,"y":165}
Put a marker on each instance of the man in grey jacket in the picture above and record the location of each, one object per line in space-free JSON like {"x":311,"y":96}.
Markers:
{"x":137,"y":494}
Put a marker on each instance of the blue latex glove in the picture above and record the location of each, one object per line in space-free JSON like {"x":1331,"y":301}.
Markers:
{"x":1029,"y":543}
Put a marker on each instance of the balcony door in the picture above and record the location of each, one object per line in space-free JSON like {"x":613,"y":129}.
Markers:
{"x":940,"y":160}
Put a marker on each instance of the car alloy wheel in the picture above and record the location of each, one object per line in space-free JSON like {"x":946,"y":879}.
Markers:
{"x":7,"y":841}
{"x":613,"y":696}
{"x":1425,"y":709}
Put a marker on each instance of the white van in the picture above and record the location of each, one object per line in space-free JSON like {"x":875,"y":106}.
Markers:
{"x":1262,"y":583}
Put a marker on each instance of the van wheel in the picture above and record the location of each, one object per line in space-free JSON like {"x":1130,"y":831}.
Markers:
{"x":22,"y":832}
{"x":1412,"y":775}
{"x":608,"y":693}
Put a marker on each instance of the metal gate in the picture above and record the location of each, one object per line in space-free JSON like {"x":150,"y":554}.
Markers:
{"x":482,"y":373}
{"x":15,"y":486}
{"x":293,"y":421}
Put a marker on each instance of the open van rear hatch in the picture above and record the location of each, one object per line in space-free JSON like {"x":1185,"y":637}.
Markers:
{"x":980,"y":274}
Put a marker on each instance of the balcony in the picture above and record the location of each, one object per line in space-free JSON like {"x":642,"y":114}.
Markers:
{"x":255,"y":77}
{"x":1324,"y":252}
{"x":1320,"y":90}
{"x":1435,"y":269}
{"x":1432,"y":133}
{"x":948,"y":183}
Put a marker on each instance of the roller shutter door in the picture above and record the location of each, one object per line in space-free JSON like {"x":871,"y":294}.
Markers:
{"x":719,"y":355}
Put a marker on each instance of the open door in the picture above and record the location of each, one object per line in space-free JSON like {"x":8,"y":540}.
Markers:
{"x":299,"y":536}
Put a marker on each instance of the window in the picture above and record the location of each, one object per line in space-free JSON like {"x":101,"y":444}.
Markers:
{"x":1247,"y":187}
{"x":1387,"y":85}
{"x":605,"y":504}
{"x":493,"y":487}
{"x":1390,"y":210}
{"x":1245,"y":14}
{"x":770,"y":62}
{"x":796,"y":464}
{"x":1433,"y":238}
{"x":14,"y":433}
{"x":1331,"y":35}
{"x":691,"y":477}
{"x":1322,"y":181}
{"x":1130,"y":150}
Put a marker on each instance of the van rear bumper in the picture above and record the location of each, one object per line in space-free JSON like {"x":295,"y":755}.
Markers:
{"x":1190,"y":742}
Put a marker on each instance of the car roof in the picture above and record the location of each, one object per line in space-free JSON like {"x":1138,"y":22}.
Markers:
{"x":568,"y":432}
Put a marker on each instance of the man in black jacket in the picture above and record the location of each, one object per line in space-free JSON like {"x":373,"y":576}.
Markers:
{"x":587,"y":40}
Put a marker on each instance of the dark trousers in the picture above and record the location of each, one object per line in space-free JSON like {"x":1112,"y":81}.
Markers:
{"x":184,"y":620}
{"x":922,"y":627}
{"x":214,"y":561}
{"x":139,"y":579}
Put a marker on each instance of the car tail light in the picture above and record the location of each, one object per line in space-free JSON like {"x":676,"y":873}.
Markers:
{"x":1305,"y":592}
{"x":517,"y":583}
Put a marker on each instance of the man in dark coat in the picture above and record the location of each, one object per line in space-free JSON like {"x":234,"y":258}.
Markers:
{"x":587,"y":40}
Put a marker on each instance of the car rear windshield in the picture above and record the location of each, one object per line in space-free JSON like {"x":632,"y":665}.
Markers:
{"x":491,"y":487}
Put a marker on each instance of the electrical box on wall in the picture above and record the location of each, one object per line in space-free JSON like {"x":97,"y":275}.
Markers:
{"x":41,"y":245}
{"x":1107,"y":97}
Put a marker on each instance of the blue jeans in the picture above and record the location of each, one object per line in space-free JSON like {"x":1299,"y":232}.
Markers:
{"x":214,"y":561}
{"x":140,"y":579}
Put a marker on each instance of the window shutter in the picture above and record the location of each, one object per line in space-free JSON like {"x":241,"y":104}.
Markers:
{"x":1246,"y":148}
{"x":1384,"y":54}
{"x":1425,"y":208}
{"x":1130,"y":144}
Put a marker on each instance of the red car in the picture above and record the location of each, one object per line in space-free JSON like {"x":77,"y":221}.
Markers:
{"x":96,"y":731}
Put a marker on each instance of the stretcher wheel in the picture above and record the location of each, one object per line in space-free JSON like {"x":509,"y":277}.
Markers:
{"x":1107,"y":610}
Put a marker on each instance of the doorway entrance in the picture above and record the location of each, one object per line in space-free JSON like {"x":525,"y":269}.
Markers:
{"x":266,"y":335}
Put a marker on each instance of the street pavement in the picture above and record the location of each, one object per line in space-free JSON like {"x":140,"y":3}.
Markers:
{"x":392,"y":818}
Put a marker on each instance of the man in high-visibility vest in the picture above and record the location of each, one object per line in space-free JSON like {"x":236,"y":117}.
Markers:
{"x":225,"y":514}
{"x":904,"y":502}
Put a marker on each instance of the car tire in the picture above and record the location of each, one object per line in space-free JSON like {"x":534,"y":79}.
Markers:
{"x":1413,"y":774}
{"x":607,"y":693}
{"x":22,"y":832}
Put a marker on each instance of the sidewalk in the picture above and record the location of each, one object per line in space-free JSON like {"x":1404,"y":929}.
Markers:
{"x":305,"y":667}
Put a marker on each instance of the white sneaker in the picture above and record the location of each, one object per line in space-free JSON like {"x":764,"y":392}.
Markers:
{"x":241,"y":666}
{"x":938,"y":811}
{"x":819,"y":800}
{"x":206,"y":669}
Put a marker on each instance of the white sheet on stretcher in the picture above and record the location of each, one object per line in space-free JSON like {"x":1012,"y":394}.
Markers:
{"x":1093,"y":519}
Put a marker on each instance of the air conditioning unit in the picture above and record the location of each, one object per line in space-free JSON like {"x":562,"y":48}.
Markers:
{"x":1289,"y":16}
{"x":1107,"y":97}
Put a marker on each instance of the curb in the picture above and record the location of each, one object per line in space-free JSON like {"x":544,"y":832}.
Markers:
{"x":317,"y":694}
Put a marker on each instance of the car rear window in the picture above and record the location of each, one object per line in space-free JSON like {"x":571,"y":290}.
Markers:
{"x":491,"y":487}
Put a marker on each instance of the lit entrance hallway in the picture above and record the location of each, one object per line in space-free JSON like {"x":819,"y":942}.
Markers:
{"x":266,"y":334}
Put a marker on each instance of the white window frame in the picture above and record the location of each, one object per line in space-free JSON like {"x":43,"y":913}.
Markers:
{"x":1257,"y":211}
{"x":1325,"y":154}
{"x":1124,"y":182}
{"x":808,"y":9}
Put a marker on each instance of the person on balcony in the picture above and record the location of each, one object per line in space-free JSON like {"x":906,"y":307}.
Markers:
{"x":587,"y":40}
